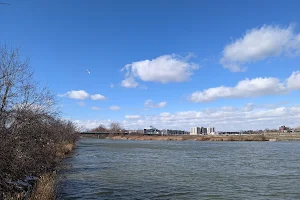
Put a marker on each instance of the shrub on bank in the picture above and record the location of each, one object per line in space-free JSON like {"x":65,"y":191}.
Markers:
{"x":32,"y":136}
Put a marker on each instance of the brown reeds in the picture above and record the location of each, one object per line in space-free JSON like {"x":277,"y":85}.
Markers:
{"x":44,"y":188}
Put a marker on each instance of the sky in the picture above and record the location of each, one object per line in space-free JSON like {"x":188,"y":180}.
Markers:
{"x":174,"y":64}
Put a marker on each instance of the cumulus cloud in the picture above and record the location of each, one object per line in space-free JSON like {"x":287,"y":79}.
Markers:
{"x":163,"y":69}
{"x":249,"y":88}
{"x":89,"y":124}
{"x":81,"y":95}
{"x":233,"y":119}
{"x":293,"y":82}
{"x":114,"y":108}
{"x":98,"y":97}
{"x":132,"y":116}
{"x":129,"y":82}
{"x":95,"y":108}
{"x":260,"y":43}
{"x":150,"y":104}
{"x":76,"y":94}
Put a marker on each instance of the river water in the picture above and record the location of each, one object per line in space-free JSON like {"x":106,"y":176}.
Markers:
{"x":118,"y":169}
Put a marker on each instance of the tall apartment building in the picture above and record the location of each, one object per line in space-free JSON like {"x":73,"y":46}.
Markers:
{"x":210,"y":130}
{"x":203,"y":131}
{"x":195,"y":131}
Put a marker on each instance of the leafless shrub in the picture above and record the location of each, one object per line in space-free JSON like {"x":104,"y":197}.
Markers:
{"x":31,"y":133}
{"x":100,"y":128}
{"x":115,"y":128}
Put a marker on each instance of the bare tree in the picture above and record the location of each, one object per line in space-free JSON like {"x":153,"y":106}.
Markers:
{"x":19,"y":94}
{"x":100,"y":128}
{"x":31,"y":134}
{"x":115,"y":127}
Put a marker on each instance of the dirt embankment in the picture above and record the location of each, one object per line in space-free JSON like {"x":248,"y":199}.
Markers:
{"x":190,"y":137}
{"x":252,"y":137}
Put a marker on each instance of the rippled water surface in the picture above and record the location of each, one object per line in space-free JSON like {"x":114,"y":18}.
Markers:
{"x":112,"y":169}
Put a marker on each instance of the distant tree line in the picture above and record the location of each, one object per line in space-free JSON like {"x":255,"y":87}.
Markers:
{"x":32,"y":135}
{"x":114,"y":127}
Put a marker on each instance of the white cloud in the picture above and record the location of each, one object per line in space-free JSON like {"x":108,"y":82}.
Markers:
{"x":89,"y":124}
{"x":80,"y":103}
{"x":95,"y":108}
{"x":163,"y":69}
{"x":258,"y":44}
{"x":98,"y":97}
{"x":132,"y":116}
{"x":150,"y":104}
{"x":76,"y":94}
{"x":249,"y":88}
{"x":293,"y":81}
{"x":111,"y":85}
{"x":114,"y":108}
{"x":234,"y":119}
{"x":81,"y":95}
{"x":129,"y":82}
{"x":248,"y":107}
{"x":165,"y":114}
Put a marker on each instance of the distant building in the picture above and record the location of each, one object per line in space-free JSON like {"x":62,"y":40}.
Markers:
{"x":282,"y":128}
{"x":151,"y":131}
{"x":139,"y":131}
{"x":195,"y":131}
{"x":211,"y":130}
{"x":173,"y":132}
{"x":203,"y":131}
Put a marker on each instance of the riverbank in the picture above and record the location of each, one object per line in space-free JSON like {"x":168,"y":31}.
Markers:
{"x":45,"y":187}
{"x":33,"y":136}
{"x":252,"y":137}
{"x":196,"y":138}
{"x":39,"y":185}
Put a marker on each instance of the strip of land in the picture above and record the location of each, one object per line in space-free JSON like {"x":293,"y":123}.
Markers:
{"x":251,"y":137}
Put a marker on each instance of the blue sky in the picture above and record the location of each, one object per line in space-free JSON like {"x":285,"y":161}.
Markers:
{"x":175,"y":57}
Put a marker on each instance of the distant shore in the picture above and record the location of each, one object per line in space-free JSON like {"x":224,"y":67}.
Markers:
{"x":252,"y":137}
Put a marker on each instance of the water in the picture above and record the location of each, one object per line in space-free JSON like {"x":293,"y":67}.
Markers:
{"x":111,"y":169}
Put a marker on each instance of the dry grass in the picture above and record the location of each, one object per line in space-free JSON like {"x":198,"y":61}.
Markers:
{"x":45,"y":188}
{"x":196,"y":138}
{"x":64,"y":149}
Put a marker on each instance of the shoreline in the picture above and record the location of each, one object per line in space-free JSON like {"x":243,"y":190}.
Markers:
{"x":42,"y":186}
{"x":252,"y":137}
{"x":46,"y":184}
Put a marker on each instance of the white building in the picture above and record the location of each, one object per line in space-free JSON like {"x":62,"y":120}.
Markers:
{"x":202,"y":131}
{"x":195,"y":131}
{"x":211,"y":130}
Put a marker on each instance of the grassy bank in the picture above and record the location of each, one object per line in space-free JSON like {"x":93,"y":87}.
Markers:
{"x":45,"y":187}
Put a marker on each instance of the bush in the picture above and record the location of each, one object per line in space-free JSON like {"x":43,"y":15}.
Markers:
{"x":32,"y":137}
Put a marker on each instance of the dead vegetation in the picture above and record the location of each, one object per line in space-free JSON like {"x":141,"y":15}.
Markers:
{"x":32,"y":136}
{"x":44,"y":188}
{"x":259,"y":137}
